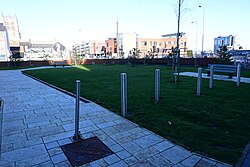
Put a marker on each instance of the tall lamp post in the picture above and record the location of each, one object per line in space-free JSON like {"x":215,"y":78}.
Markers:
{"x":202,"y":49}
{"x":196,"y":28}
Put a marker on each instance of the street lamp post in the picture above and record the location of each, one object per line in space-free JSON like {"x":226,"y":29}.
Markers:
{"x":196,"y":28}
{"x":202,"y":49}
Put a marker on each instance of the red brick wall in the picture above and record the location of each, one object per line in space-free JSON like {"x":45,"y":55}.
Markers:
{"x":183,"y":61}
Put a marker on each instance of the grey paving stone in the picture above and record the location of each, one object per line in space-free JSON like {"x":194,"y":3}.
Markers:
{"x":159,"y":161}
{"x":125,"y":126}
{"x":143,"y":163}
{"x":109,"y":142}
{"x":148,"y":140}
{"x":9,"y":165}
{"x":225,"y":165}
{"x":101,"y":135}
{"x":203,"y":163}
{"x":27,"y":143}
{"x":51,"y":145}
{"x":106,"y":124}
{"x":24,"y":153}
{"x":63,"y":164}
{"x":120,"y":135}
{"x":38,"y":119}
{"x":131,"y":160}
{"x":209,"y":160}
{"x":64,"y":141}
{"x":58,"y":158}
{"x":7,"y":147}
{"x":98,"y":120}
{"x":176,"y":154}
{"x":33,"y":160}
{"x":110,"y":131}
{"x":131,"y":147}
{"x":13,"y":138}
{"x":112,"y":159}
{"x":164,"y":145}
{"x":44,"y":132}
{"x":31,"y":125}
{"x":145,"y":153}
{"x":120,"y":164}
{"x":191,"y":161}
{"x":124,"y":140}
{"x":82,"y":124}
{"x":44,"y":164}
{"x":99,"y":163}
{"x":13,"y":125}
{"x":123,"y":154}
{"x":89,"y":129}
{"x":55,"y":151}
{"x":61,"y":115}
{"x":116,"y":148}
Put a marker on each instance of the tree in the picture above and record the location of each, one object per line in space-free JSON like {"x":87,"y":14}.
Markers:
{"x":134,"y":55}
{"x":190,"y":53}
{"x":223,"y":55}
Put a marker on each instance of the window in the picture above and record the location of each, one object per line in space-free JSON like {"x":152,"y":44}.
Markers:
{"x":150,"y":43}
{"x":143,"y":43}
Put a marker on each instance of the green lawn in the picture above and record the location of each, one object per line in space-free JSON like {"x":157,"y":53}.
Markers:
{"x":216,"y":124}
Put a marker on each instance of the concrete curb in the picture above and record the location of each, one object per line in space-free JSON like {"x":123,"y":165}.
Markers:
{"x":243,"y":156}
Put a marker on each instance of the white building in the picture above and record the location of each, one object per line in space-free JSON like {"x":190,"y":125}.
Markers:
{"x":126,"y":41}
{"x":4,"y":43}
{"x":44,"y":50}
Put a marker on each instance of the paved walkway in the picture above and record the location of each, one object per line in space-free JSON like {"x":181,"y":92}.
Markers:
{"x":38,"y":119}
{"x":217,"y":77}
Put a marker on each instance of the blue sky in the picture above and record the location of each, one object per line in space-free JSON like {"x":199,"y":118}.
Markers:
{"x":70,"y":21}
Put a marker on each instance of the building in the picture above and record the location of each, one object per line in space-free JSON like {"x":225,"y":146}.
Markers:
{"x":43,"y":50}
{"x":163,"y":45}
{"x":90,"y":49}
{"x":126,"y":41}
{"x":14,"y":35}
{"x":228,"y":41}
{"x":4,"y":43}
{"x":111,"y":46}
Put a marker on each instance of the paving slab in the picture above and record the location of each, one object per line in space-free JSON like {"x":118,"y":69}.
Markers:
{"x":37,"y":119}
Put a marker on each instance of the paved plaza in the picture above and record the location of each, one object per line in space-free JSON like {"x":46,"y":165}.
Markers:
{"x":38,"y":119}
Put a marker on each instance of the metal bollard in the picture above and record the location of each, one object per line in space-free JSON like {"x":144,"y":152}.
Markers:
{"x":238,"y":74}
{"x":157,"y":85}
{"x":211,"y":81}
{"x":1,"y":124}
{"x":123,"y":94}
{"x":199,"y":81}
{"x":77,"y":108}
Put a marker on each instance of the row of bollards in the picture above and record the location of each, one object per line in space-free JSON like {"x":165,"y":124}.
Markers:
{"x":157,"y":93}
{"x":211,"y":79}
{"x":124,"y":91}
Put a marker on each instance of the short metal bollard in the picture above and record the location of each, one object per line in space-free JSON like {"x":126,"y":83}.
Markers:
{"x":199,"y":81}
{"x":123,"y":94}
{"x":1,"y":124}
{"x":157,"y":85}
{"x":238,"y":74}
{"x":211,"y":81}
{"x":77,"y":108}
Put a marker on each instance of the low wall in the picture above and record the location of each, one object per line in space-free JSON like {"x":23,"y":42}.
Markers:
{"x":164,"y":61}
